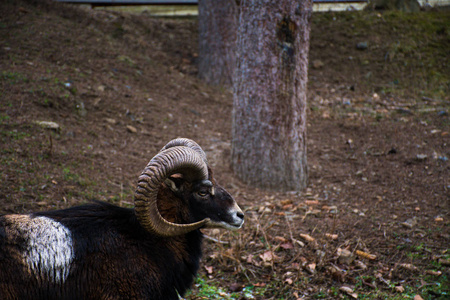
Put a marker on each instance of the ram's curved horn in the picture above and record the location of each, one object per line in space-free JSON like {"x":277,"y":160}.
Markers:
{"x":176,"y":159}
{"x":187,"y":143}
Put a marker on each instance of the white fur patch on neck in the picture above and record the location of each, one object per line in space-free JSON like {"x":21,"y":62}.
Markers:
{"x":48,"y":248}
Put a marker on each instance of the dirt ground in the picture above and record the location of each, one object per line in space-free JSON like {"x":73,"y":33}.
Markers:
{"x":374,"y":220}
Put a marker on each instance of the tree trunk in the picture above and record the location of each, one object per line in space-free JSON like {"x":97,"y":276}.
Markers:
{"x":217,"y":40}
{"x":269,"y":113}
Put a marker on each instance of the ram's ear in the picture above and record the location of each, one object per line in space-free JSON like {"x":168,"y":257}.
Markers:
{"x":174,"y":182}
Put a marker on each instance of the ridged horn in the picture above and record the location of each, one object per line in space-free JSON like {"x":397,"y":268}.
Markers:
{"x":177,"y":159}
{"x":187,"y":143}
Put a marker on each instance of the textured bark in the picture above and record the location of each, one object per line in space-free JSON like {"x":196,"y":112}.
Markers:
{"x":217,"y":40}
{"x":269,"y":114}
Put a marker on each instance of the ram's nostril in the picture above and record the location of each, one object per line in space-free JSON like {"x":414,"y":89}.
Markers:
{"x":240,"y":215}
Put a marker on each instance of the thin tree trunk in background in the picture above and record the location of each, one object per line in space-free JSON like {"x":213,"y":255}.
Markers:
{"x":269,"y":113}
{"x":217,"y":40}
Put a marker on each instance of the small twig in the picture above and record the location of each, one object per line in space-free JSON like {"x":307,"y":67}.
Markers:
{"x":368,"y":284}
{"x":215,"y":240}
{"x":290,"y":232}
{"x":263,"y":231}
{"x":50,"y":148}
{"x":333,"y":228}
{"x":251,"y":271}
{"x":423,"y":283}
{"x":384,"y":281}
{"x":314,"y":229}
{"x":231,"y":257}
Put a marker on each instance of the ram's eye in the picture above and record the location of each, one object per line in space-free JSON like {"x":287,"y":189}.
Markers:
{"x":202,"y":193}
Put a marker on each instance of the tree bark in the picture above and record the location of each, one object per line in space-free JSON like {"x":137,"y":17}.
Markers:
{"x":269,"y":113}
{"x":217,"y":40}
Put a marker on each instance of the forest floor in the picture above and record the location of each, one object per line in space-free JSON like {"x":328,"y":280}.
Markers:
{"x":374,"y":220}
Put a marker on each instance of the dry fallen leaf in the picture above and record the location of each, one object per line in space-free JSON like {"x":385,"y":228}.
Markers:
{"x":410,"y":223}
{"x":331,"y":236}
{"x":330,"y":209}
{"x":303,"y":261}
{"x":286,"y":202}
{"x":280,"y":239}
{"x":434,"y":273}
{"x":300,"y":243}
{"x":336,"y":273}
{"x":209,"y":269}
{"x":345,"y":256}
{"x":311,"y":202}
{"x":287,"y":207}
{"x":307,"y":237}
{"x":131,"y":129}
{"x":250,"y":258}
{"x":366,"y":255}
{"x":418,"y":297}
{"x":268,"y":256}
{"x":287,"y":245}
{"x":348,"y":291}
{"x":410,"y":267}
{"x":399,"y":289}
{"x":361,"y":265}
{"x":313,"y":212}
{"x":311,"y":268}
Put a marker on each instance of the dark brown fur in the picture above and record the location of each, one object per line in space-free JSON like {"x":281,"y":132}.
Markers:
{"x":114,"y":257}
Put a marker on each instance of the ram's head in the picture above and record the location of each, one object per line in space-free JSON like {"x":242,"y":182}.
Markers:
{"x":178,"y":184}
